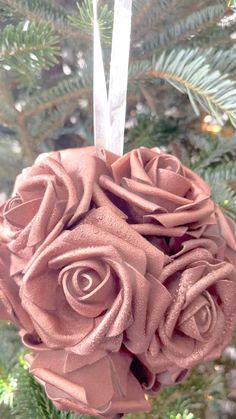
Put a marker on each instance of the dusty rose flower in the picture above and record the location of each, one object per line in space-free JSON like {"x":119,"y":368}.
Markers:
{"x":223,"y":233}
{"x":164,"y":197}
{"x":219,"y":238}
{"x":199,"y":323}
{"x":87,"y":289}
{"x":10,"y":304}
{"x":48,"y":196}
{"x":99,"y":384}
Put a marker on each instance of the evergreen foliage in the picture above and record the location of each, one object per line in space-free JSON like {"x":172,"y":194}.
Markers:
{"x":188,"y":71}
{"x":27,"y":49}
{"x":38,"y":11}
{"x":37,"y":35}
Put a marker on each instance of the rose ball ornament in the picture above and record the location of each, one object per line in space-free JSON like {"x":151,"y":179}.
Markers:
{"x":119,"y":269}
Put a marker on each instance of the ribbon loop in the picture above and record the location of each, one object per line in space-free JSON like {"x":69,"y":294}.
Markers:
{"x":109,"y":114}
{"x":101,"y":118}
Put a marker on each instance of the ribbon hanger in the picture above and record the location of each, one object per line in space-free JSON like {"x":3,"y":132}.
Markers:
{"x":110,"y":110}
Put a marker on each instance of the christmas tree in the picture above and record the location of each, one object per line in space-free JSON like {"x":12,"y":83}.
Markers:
{"x":46,"y":103}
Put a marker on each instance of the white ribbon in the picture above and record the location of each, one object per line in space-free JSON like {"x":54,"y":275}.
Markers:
{"x":101,"y":116}
{"x":109,"y":115}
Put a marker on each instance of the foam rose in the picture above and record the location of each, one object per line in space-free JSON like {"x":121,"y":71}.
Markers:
{"x":88,"y":290}
{"x":224,"y":234}
{"x":48,"y":196}
{"x":100,"y":384}
{"x":10,"y":304}
{"x":220,"y":238}
{"x":164,"y":197}
{"x":199,"y":323}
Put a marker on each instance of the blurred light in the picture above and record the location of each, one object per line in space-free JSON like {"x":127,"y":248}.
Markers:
{"x":83,"y":103}
{"x":130,"y":123}
{"x":219,"y":368}
{"x":209,"y":397}
{"x":208,"y":119}
{"x":80,"y":60}
{"x":64,"y":53}
{"x":15,"y":146}
{"x":73,"y":120}
{"x":227,"y":21}
{"x":81,"y":63}
{"x":210,"y":124}
{"x":3,"y":197}
{"x":26,"y":25}
{"x":173,"y":111}
{"x":214,"y":128}
{"x":18,"y":106}
{"x":66,"y":69}
{"x":33,"y":56}
{"x":230,"y":353}
{"x":7,"y":67}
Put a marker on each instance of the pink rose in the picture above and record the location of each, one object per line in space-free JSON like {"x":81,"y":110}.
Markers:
{"x":88,"y":289}
{"x":10,"y":304}
{"x":49,"y":196}
{"x":199,"y":323}
{"x":164,"y":197}
{"x":219,"y":238}
{"x":99,"y":384}
{"x":223,"y":233}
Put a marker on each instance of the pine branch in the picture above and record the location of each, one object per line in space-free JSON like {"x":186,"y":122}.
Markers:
{"x":225,"y":149}
{"x":77,"y":26}
{"x":8,"y":111}
{"x":141,"y":10}
{"x":151,"y":131}
{"x":222,"y":191}
{"x":64,"y":91}
{"x":149,"y":16}
{"x":223,"y":60}
{"x":232,"y":4}
{"x":84,"y":20}
{"x":185,"y":415}
{"x":34,"y":45}
{"x":213,"y":37}
{"x":183,"y":29}
{"x":51,"y":122}
{"x":10,"y":163}
{"x":41,"y":11}
{"x":188,"y":72}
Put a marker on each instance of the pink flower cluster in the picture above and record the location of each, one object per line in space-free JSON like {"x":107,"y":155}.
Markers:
{"x":120,"y":273}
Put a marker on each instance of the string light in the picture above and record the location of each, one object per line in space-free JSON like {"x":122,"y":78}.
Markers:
{"x":211,"y":125}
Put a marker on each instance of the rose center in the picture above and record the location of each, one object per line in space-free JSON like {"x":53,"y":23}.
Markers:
{"x":89,"y":290}
{"x":203,"y":319}
{"x":86,"y":281}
